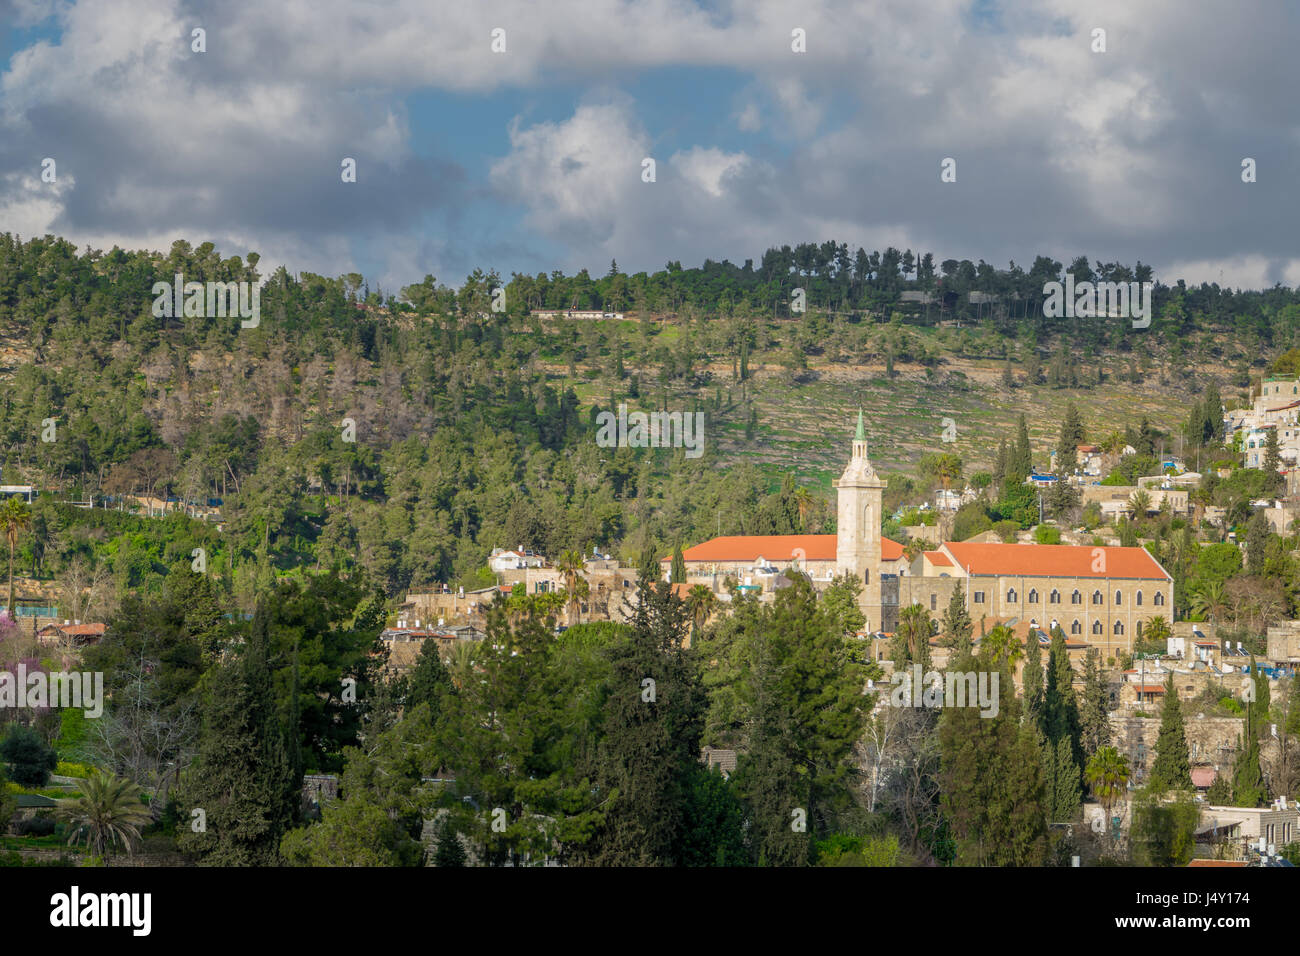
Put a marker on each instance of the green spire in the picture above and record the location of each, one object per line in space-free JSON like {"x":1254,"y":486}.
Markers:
{"x":862,"y":434}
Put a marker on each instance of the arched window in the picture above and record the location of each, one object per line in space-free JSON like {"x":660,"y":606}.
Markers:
{"x":1097,"y":628}
{"x":1033,"y":596}
{"x":866,"y":576}
{"x":1138,"y":598}
{"x":1054,"y":597}
{"x":1096,"y":597}
{"x":1011,"y":595}
{"x":1076,"y":627}
{"x":1159,"y":599}
{"x":1119,"y":598}
{"x":1119,"y":627}
{"x":1076,"y":597}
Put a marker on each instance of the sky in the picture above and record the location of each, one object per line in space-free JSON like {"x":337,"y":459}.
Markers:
{"x":530,"y":159}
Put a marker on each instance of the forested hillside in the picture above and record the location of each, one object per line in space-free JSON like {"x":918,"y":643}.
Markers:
{"x":475,"y":428}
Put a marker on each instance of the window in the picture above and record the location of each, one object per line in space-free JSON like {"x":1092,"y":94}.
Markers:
{"x":866,"y":576}
{"x":934,"y":598}
{"x":1054,"y":597}
{"x":1076,"y":627}
{"x":1119,"y":628}
{"x":1097,"y":628}
{"x":978,"y":597}
{"x":1011,"y":595}
{"x":1097,"y":598}
{"x":1119,"y":598}
{"x":1076,"y":597}
{"x":1138,"y":599}
{"x":1033,"y":596}
{"x":1159,"y":599}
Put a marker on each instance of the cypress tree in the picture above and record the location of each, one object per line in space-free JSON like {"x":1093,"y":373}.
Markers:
{"x":1247,"y":780}
{"x":958,"y":628}
{"x":1032,"y":681}
{"x":1067,"y":794}
{"x":679,"y":566}
{"x":1171,"y":769}
{"x":1094,"y":720}
{"x":1022,"y":458}
{"x":1257,"y":711}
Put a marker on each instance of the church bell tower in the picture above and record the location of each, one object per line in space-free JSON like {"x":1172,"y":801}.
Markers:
{"x":857,"y":548}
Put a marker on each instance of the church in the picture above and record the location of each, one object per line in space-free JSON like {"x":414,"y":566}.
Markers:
{"x":1102,"y":596}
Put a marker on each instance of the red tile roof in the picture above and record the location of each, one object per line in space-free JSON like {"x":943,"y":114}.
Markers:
{"x":777,"y":547}
{"x":939,"y":559}
{"x":1056,"y":560}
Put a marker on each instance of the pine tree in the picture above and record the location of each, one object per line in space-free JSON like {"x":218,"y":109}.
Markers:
{"x":807,"y":716}
{"x":243,"y":780}
{"x":1094,"y":719}
{"x":429,"y":680}
{"x":1219,"y":793}
{"x":1171,"y":769}
{"x":652,"y":733}
{"x":991,"y":783}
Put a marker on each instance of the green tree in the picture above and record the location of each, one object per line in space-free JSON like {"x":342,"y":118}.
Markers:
{"x":1107,"y":776}
{"x":1248,"y":788}
{"x":15,"y":518}
{"x":653,"y":719}
{"x":31,"y":760}
{"x":992,"y":790}
{"x":1171,"y":769}
{"x":1163,"y":832}
{"x":243,"y":779}
{"x":957,"y":627}
{"x":1094,"y":712}
{"x":911,"y":641}
{"x":106,"y":812}
{"x":428,"y":681}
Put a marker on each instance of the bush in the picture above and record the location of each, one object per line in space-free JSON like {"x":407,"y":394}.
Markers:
{"x":1047,"y":534}
{"x":30,"y":758}
{"x":38,"y":826}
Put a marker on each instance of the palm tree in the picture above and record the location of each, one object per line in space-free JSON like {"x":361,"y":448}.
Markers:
{"x":1107,"y":775}
{"x":803,"y":500}
{"x":571,"y":565}
{"x":1140,"y":502}
{"x":1001,"y":645}
{"x":109,"y":810}
{"x":1157,"y":629}
{"x":15,"y":518}
{"x":1210,"y":600}
{"x":699,"y":602}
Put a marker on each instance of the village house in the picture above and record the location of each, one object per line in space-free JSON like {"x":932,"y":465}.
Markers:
{"x":70,"y":634}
